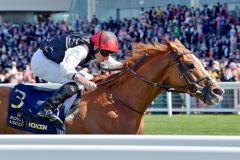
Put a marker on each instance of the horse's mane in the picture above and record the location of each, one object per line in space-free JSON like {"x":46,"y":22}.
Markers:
{"x":150,"y":49}
{"x":138,"y":50}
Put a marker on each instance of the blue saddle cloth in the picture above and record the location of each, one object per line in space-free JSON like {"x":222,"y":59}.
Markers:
{"x":25,"y":102}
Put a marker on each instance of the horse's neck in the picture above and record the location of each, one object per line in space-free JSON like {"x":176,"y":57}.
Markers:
{"x":138,"y":94}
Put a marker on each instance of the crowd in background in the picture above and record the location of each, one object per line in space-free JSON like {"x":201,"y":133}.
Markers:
{"x":212,"y":33}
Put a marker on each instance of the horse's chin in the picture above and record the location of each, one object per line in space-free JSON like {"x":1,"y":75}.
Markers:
{"x":212,"y":98}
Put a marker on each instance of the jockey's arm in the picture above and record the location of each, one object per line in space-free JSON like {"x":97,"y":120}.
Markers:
{"x":73,"y":56}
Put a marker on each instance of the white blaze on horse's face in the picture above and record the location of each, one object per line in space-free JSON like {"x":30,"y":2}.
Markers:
{"x":201,"y":81}
{"x":201,"y":65}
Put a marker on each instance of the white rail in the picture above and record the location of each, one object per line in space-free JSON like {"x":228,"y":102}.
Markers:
{"x":230,"y":103}
{"x":119,"y":147}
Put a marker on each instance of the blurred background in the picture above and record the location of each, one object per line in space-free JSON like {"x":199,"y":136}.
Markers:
{"x":210,"y":29}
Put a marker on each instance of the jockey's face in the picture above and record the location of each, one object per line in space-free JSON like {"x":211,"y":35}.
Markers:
{"x":100,"y":57}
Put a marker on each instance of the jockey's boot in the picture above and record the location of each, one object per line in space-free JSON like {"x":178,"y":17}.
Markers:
{"x":50,"y":108}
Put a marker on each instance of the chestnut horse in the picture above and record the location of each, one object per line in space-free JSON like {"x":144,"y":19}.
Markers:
{"x":118,"y":106}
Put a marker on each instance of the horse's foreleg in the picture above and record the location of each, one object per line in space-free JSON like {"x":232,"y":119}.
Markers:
{"x":141,"y":127}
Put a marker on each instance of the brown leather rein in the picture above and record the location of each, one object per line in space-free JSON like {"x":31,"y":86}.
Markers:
{"x":192,"y":87}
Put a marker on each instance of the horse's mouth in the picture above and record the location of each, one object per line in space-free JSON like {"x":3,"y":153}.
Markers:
{"x":213,"y":96}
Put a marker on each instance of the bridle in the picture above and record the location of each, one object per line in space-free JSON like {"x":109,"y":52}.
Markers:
{"x":192,"y":87}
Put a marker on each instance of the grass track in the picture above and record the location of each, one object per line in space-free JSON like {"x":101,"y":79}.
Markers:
{"x":192,"y":125}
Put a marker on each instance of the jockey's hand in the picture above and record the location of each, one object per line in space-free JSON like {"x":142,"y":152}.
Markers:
{"x":90,"y":86}
{"x":127,"y":64}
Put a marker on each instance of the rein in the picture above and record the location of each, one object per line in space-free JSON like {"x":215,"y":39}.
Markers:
{"x":140,"y":60}
{"x":192,"y":87}
{"x":127,"y":70}
{"x":166,"y":87}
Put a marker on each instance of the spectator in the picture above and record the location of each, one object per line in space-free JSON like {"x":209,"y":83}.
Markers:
{"x":207,"y":31}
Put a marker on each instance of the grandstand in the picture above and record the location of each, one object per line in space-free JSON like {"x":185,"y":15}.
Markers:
{"x":20,"y":11}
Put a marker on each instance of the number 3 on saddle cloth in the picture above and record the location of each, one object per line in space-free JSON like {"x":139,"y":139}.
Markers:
{"x":25,"y":102}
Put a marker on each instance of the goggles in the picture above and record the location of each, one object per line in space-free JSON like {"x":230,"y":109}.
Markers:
{"x":105,"y":53}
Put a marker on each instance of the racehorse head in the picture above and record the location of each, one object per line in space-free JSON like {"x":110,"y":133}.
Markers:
{"x":190,"y":72}
{"x":172,"y":67}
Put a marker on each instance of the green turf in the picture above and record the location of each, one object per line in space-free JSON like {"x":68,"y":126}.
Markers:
{"x":192,"y":125}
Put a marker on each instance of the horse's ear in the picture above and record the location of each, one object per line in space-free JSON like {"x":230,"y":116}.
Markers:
{"x":176,"y":41}
{"x":166,"y":41}
{"x":174,"y":47}
{"x":170,"y":44}
{"x":181,"y":47}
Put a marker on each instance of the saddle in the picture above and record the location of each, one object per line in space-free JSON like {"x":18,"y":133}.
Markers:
{"x":25,"y":102}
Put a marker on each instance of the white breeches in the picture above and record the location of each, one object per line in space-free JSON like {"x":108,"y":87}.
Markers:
{"x":49,"y":70}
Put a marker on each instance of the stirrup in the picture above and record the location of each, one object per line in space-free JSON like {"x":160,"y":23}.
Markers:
{"x":56,"y":120}
{"x":45,"y":113}
{"x":48,"y":114}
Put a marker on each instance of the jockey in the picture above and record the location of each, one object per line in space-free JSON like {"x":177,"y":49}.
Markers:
{"x":56,"y":61}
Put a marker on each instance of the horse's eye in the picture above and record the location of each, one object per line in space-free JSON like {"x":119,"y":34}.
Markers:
{"x":190,"y":66}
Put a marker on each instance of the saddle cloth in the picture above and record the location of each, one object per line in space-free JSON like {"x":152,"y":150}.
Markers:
{"x":25,"y":102}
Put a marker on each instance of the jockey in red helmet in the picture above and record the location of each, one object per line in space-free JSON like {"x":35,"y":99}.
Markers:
{"x":56,"y":61}
{"x":105,"y":41}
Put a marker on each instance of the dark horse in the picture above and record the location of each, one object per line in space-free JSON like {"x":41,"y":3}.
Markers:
{"x":118,"y":106}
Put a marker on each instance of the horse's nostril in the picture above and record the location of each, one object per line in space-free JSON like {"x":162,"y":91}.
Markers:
{"x":218,"y":91}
